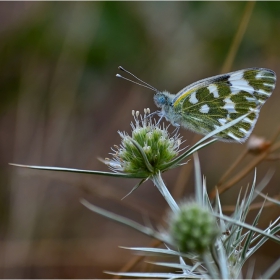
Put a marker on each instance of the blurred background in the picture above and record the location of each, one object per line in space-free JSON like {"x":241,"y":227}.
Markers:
{"x":61,"y":105}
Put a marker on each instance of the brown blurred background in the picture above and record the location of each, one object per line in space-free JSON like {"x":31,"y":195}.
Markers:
{"x":61,"y":105}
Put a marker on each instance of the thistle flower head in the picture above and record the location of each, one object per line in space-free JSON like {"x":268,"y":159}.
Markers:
{"x":149,"y":147}
{"x":193,"y":228}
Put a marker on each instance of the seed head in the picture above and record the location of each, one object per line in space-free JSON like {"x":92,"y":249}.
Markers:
{"x":193,"y":228}
{"x":147,"y":149}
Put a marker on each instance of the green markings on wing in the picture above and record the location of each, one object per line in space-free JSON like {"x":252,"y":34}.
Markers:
{"x":263,"y":81}
{"x":241,"y":131}
{"x":213,"y":105}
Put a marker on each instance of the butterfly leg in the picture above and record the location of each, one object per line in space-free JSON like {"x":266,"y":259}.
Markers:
{"x":152,"y":114}
{"x":159,"y":120}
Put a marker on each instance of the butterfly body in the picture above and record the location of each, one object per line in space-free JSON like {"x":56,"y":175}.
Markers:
{"x":210,"y":103}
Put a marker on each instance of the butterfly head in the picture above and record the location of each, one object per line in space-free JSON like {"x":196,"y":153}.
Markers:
{"x":162,"y":99}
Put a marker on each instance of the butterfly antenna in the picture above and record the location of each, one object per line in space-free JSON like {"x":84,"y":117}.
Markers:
{"x":144,"y":84}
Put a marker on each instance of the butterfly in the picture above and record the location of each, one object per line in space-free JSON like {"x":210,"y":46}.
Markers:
{"x":210,"y":103}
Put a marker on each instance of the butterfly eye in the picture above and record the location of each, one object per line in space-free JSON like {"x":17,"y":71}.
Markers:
{"x":160,"y":99}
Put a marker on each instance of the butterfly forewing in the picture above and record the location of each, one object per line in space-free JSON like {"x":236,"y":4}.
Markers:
{"x":211,"y":103}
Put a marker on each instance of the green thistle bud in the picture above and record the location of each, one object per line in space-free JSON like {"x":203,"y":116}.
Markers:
{"x":147,"y":150}
{"x":193,"y":229}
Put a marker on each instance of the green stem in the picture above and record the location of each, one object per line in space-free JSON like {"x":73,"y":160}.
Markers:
{"x":157,"y":180}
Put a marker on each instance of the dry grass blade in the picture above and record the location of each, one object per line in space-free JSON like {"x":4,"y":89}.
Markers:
{"x":238,"y":37}
{"x":265,"y":155}
{"x":233,"y":166}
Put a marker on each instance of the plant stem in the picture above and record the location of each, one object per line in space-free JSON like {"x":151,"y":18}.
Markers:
{"x":209,"y":264}
{"x":157,"y":180}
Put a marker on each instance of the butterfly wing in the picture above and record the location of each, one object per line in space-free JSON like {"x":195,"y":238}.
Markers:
{"x":210,"y":103}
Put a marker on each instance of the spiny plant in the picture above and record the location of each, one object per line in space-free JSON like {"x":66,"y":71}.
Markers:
{"x":206,"y":242}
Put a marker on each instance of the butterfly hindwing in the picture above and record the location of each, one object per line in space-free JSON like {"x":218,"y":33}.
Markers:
{"x":211,"y":103}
